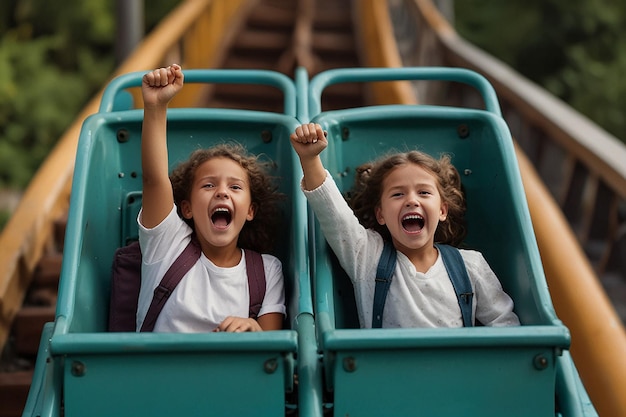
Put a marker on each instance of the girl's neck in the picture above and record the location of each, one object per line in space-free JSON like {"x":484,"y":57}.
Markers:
{"x":224,"y":257}
{"x":423,"y":258}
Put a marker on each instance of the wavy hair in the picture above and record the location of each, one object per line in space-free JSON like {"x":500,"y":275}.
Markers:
{"x":258,"y":234}
{"x":368,"y":187}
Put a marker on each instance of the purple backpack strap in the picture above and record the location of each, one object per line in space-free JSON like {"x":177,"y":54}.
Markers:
{"x":125,"y":284}
{"x":172,"y":277}
{"x":256,"y":281}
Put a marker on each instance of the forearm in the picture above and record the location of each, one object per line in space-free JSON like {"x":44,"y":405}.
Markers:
{"x":154,"y":158}
{"x":157,"y":191}
{"x":354,"y":246}
{"x":314,"y":172}
{"x":271,"y":321}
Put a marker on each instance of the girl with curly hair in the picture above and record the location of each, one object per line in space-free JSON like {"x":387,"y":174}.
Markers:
{"x":223,"y":198}
{"x":413,"y":201}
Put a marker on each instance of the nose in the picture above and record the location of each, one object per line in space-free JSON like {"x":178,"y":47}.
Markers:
{"x":222,"y":192}
{"x":412,"y":200}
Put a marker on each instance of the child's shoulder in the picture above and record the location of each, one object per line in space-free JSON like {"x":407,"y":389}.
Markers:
{"x":470,"y":252}
{"x":270,"y":258}
{"x":269,"y":261}
{"x":475,"y":262}
{"x":472,"y":256}
{"x":272,"y":265}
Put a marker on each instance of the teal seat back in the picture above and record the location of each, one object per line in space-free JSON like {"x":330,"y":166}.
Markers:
{"x":430,"y":371}
{"x":497,"y":216}
{"x":109,"y":186}
{"x":102,"y":373}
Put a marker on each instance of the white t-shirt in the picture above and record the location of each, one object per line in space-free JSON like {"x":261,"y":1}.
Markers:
{"x":415,"y":299}
{"x":208,"y":293}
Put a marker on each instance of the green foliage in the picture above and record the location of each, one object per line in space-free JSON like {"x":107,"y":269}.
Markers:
{"x":53,"y":57}
{"x":574,"y":48}
{"x":37,"y":102}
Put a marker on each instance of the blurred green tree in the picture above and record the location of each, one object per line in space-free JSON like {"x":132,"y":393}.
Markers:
{"x":576,"y":49}
{"x":53,"y":57}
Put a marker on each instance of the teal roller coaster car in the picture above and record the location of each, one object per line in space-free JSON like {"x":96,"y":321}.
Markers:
{"x":321,"y":363}
{"x":518,"y":371}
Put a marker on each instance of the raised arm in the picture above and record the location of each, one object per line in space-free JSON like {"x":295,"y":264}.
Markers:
{"x":309,"y":141}
{"x":158,"y":88}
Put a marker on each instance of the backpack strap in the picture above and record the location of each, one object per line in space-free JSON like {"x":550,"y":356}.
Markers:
{"x":384,"y":273}
{"x":452,"y":260}
{"x":125,"y":285}
{"x":182,"y":265}
{"x":256,"y":281}
{"x":455,"y":266}
{"x":170,"y":280}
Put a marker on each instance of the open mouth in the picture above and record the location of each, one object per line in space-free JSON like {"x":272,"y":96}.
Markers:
{"x":413,"y":223}
{"x":221,"y":217}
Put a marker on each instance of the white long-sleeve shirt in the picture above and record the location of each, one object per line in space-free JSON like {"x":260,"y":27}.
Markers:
{"x":415,"y":299}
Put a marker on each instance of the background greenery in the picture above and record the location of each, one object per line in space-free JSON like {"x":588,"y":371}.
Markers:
{"x":55,"y":55}
{"x":576,"y":49}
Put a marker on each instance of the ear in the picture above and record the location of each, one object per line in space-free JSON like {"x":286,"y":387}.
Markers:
{"x":251,"y":212}
{"x":379,"y":215}
{"x":443,"y":212}
{"x":185,"y":209}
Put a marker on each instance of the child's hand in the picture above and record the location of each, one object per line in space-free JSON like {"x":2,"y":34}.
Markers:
{"x":158,"y":87}
{"x":309,"y":140}
{"x":238,"y":325}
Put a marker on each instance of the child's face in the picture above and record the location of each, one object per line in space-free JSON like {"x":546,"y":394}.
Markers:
{"x":220,"y":201}
{"x":411,"y":207}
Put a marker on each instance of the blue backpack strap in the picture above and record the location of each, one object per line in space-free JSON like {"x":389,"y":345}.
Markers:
{"x":384,"y":272}
{"x":455,"y":266}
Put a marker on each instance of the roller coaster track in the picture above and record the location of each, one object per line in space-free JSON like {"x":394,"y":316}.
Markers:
{"x":574,"y":173}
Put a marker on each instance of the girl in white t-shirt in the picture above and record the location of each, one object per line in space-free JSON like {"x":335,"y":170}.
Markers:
{"x":412,"y":200}
{"x":225,"y":199}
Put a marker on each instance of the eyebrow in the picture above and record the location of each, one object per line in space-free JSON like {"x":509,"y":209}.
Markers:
{"x":419,"y":185}
{"x":229,"y":179}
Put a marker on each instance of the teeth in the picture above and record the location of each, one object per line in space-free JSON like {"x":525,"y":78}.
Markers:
{"x":221,"y":217}
{"x":413,"y":217}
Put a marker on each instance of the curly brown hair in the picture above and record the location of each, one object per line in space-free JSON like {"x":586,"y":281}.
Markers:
{"x":368,"y":187}
{"x":258,"y":234}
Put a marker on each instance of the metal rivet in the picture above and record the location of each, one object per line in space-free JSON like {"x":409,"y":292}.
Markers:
{"x":345,"y":133}
{"x":540,"y":362}
{"x":270,"y":366}
{"x":463,"y":131}
{"x":78,"y":368}
{"x":123,"y":135}
{"x":349,"y":364}
{"x":467,"y":172}
{"x":266,"y":136}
